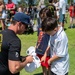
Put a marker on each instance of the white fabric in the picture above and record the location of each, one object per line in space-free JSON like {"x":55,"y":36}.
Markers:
{"x":31,"y":51}
{"x":4,"y":15}
{"x":59,"y":47}
{"x":57,"y":8}
{"x":30,"y":67}
{"x":62,"y":5}
{"x":42,"y":6}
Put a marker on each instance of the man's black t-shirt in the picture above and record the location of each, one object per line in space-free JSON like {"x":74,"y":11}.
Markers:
{"x":10,"y":46}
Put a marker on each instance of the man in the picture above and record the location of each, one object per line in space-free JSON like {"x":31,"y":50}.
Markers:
{"x":10,"y":60}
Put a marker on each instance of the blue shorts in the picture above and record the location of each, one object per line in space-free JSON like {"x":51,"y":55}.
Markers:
{"x":61,"y":17}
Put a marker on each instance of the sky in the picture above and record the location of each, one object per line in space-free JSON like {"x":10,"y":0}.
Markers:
{"x":15,"y":1}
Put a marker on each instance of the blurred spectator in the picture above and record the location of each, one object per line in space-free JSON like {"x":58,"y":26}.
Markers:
{"x":2,"y":14}
{"x":56,"y":4}
{"x":20,"y":9}
{"x":53,"y":8}
{"x":10,"y":7}
{"x":30,"y":11}
{"x":31,"y":14}
{"x":62,"y":12}
{"x":35,"y":12}
{"x":72,"y":15}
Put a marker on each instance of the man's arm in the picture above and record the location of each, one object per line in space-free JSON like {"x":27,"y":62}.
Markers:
{"x":16,"y":66}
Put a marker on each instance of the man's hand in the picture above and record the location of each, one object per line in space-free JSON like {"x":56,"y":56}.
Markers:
{"x":29,"y":59}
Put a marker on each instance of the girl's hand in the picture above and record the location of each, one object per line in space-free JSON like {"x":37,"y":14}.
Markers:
{"x":43,"y":59}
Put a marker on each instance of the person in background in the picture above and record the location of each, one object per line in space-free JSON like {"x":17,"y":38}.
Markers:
{"x":53,"y":8}
{"x":30,"y":11}
{"x":10,"y":7}
{"x":20,"y":9}
{"x":11,"y":61}
{"x":62,"y":12}
{"x":2,"y":14}
{"x":72,"y":15}
{"x":59,"y":56}
{"x":56,"y":4}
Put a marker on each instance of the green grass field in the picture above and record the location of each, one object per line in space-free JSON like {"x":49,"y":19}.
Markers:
{"x":30,"y":40}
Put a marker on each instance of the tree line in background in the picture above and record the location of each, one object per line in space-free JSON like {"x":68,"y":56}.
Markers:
{"x":25,"y":3}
